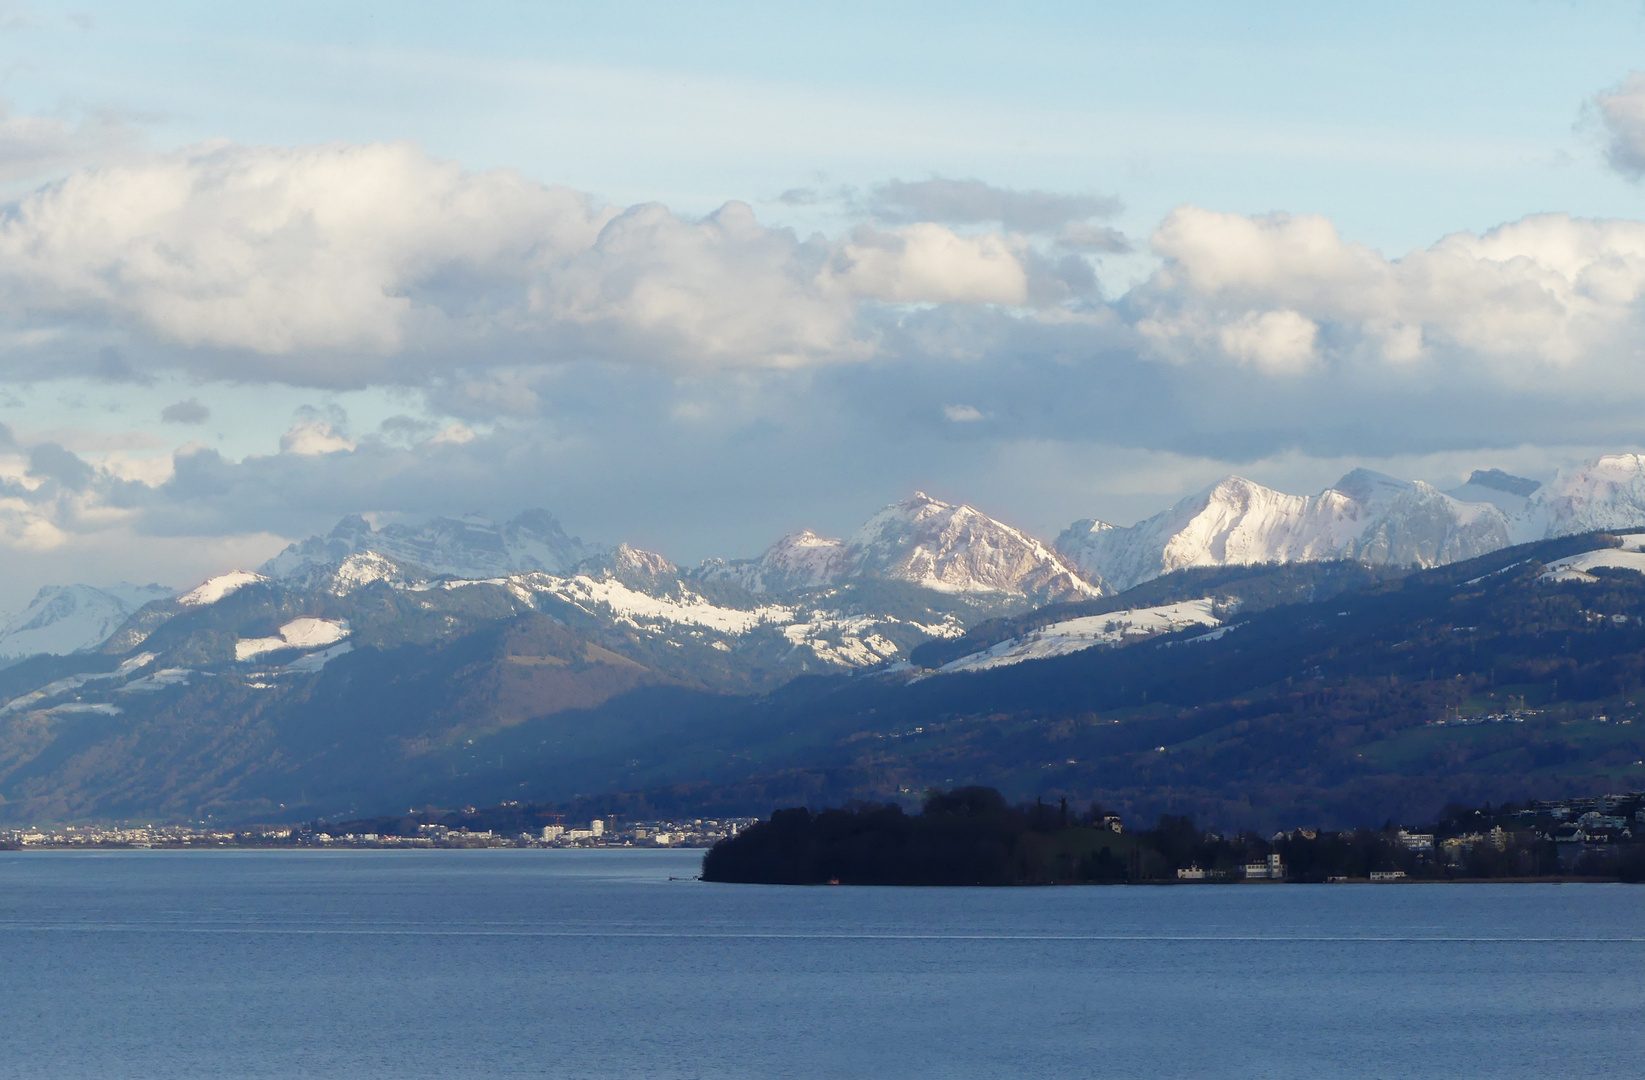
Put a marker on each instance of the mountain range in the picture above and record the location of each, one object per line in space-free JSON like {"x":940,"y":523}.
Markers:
{"x":1365,"y":516}
{"x":941,"y":548}
{"x":467,"y":659}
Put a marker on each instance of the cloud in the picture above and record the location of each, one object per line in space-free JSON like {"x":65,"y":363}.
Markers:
{"x":49,"y":461}
{"x":720,"y":292}
{"x":187,"y":411}
{"x":928,"y":263}
{"x":308,"y":438}
{"x":351,"y":265}
{"x":33,"y":146}
{"x":1083,"y":236}
{"x":973,"y":202}
{"x":281,"y":251}
{"x":962,"y":414}
{"x":1274,"y":341}
{"x":1546,"y":293}
{"x":1622,"y":112}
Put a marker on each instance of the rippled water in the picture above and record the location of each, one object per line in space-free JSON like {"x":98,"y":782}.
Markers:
{"x":595,"y":964}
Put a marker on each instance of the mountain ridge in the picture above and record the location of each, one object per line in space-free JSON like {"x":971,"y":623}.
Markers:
{"x":1367,"y":516}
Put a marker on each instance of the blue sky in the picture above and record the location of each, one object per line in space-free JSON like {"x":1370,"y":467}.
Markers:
{"x":830,"y":339}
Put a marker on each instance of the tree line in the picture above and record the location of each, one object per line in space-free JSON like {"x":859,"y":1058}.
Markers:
{"x":973,"y":836}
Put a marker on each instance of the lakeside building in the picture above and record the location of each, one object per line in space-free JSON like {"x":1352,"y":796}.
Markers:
{"x":1271,"y":869}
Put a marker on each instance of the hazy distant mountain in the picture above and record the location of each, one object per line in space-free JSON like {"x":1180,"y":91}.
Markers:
{"x":921,"y":541}
{"x":64,"y":619}
{"x":459,"y":547}
{"x":1508,"y":493}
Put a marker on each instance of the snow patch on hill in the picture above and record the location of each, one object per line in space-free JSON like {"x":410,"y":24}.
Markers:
{"x":75,"y":682}
{"x":296,"y":634}
{"x":844,"y":640}
{"x":1077,"y":635}
{"x":635,"y":607}
{"x":1630,"y":556}
{"x":159,"y":680}
{"x":315,"y":661}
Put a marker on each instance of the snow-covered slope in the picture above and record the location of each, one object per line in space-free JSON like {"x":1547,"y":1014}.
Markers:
{"x":1075,"y":635}
{"x":65,"y":619}
{"x":1630,"y":556}
{"x":460,"y":547}
{"x":296,"y":634}
{"x":933,"y":544}
{"x":209,"y":592}
{"x":1365,"y":515}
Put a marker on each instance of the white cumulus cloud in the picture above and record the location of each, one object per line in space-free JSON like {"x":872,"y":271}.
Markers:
{"x":929,"y":263}
{"x":348,"y":265}
{"x":1547,"y":291}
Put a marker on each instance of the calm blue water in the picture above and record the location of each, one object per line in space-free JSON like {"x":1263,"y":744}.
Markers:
{"x":594,"y":964}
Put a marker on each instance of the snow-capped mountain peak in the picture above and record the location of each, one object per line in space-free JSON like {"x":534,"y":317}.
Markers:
{"x":65,"y":619}
{"x":1366,"y":515}
{"x":956,"y":548}
{"x":1606,"y":493}
{"x":923,"y":541}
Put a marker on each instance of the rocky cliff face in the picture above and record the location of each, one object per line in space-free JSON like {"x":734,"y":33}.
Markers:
{"x":924,"y":542}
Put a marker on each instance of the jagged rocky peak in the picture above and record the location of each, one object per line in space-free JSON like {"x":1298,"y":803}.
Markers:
{"x":631,"y":565}
{"x":956,"y":548}
{"x":923,"y":541}
{"x":355,"y":571}
{"x":466,"y":547}
{"x":802,"y":560}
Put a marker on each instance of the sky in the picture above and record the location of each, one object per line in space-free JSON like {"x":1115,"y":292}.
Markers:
{"x":695,"y":276}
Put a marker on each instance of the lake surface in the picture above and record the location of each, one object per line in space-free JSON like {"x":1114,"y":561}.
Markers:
{"x":454,"y":964}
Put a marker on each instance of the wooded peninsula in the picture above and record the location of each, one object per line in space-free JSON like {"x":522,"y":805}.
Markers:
{"x":972,"y":836}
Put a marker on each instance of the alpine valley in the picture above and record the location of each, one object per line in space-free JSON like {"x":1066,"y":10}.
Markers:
{"x":1377,"y":649}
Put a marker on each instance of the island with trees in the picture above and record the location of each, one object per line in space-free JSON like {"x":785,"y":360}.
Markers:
{"x":973,"y":836}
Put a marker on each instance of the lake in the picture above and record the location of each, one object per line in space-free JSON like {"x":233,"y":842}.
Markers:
{"x":505,"y":963}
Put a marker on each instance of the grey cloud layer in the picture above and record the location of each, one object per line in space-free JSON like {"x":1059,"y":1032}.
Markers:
{"x":1621,"y":111}
{"x":972,"y":202}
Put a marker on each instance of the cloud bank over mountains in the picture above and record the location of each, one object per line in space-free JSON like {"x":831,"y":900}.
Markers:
{"x":346,"y":266}
{"x":552,"y":349}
